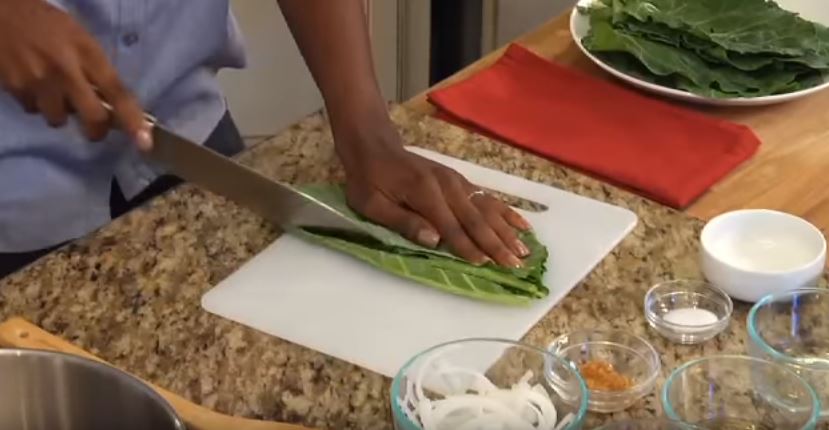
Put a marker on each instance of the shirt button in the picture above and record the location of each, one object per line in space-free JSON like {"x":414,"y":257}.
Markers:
{"x":130,"y":39}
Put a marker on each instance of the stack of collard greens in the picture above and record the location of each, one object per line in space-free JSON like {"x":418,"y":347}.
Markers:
{"x":712,"y":48}
{"x":437,"y":268}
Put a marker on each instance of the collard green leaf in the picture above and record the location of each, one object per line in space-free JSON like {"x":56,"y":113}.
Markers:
{"x":745,"y":26}
{"x":334,"y":196}
{"x":713,"y":48}
{"x":437,"y":268}
{"x":712,"y":52}
{"x":666,"y":60}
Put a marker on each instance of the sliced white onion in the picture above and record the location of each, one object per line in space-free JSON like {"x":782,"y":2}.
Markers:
{"x":470,"y":401}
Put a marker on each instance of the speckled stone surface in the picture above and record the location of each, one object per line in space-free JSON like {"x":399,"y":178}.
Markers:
{"x":130,"y":292}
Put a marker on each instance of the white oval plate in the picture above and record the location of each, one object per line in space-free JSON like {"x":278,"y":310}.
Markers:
{"x":809,"y":9}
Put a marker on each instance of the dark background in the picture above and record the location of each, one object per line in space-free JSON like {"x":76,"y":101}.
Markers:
{"x":456,"y":36}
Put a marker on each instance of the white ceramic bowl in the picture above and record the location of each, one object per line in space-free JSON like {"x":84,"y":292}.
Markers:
{"x":755,"y":252}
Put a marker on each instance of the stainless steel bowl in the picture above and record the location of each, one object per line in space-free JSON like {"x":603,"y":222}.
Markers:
{"x":41,"y":390}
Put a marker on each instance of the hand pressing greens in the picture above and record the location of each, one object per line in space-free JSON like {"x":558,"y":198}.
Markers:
{"x":712,"y":48}
{"x":438,"y":268}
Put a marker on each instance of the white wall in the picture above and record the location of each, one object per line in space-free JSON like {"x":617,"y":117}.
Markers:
{"x":414,"y":45}
{"x":276,"y":89}
{"x":516,"y":17}
{"x":384,"y":32}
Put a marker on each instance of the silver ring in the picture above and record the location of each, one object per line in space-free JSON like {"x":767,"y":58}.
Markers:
{"x":476,"y":193}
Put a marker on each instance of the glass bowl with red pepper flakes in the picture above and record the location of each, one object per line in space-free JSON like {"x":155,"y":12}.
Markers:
{"x":619,"y":368}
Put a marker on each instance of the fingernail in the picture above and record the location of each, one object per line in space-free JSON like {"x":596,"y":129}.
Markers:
{"x":515,"y":262}
{"x":483,"y":261}
{"x":428,"y":237}
{"x":144,"y":140}
{"x":520,"y":248}
{"x":524,"y":223}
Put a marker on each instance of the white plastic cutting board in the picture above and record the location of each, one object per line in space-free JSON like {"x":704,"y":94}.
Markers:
{"x":337,"y":305}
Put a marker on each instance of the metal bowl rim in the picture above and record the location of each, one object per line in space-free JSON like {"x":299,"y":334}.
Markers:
{"x":108,"y":370}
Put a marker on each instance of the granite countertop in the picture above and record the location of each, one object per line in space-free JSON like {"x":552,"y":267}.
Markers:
{"x":130,"y":292}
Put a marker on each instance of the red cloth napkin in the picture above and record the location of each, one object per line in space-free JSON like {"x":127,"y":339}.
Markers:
{"x":661,"y":151}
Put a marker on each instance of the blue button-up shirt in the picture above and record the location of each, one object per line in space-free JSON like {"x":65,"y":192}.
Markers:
{"x":54,"y":184}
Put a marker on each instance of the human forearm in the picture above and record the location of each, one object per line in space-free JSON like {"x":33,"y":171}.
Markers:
{"x":333,"y":38}
{"x":423,"y":200}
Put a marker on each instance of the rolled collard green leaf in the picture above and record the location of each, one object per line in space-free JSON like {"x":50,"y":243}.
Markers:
{"x":334,"y":196}
{"x":437,"y":268}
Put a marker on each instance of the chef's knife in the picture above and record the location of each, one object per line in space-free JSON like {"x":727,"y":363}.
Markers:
{"x":277,"y":202}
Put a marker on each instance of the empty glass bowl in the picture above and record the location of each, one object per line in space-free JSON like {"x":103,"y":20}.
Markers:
{"x":687,"y":311}
{"x":739,"y":392}
{"x":456,"y":370}
{"x":649,"y":424}
{"x":792,"y":329}
{"x":629,"y":356}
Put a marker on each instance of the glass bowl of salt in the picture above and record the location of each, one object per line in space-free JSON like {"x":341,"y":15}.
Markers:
{"x":687,"y":311}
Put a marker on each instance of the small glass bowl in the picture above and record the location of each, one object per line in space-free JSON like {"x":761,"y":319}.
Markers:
{"x":503,"y":362}
{"x":693,"y":295}
{"x":629,"y":355}
{"x":649,"y":424}
{"x":734,"y":391}
{"x":792,"y":328}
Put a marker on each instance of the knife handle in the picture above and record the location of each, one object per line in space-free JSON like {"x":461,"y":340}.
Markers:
{"x":147,"y":117}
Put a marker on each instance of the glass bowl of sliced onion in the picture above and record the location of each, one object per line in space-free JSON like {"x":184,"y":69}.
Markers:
{"x":488,"y":384}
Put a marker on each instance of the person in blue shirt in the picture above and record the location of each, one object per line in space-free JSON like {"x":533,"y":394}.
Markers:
{"x":68,"y":166}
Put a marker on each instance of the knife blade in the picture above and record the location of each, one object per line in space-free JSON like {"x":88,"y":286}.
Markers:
{"x":280,"y":203}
